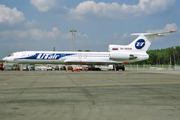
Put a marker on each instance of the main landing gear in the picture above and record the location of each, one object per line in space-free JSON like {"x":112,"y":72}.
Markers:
{"x":120,"y":67}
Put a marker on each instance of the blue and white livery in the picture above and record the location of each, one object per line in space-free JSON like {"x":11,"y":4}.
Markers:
{"x":118,"y":54}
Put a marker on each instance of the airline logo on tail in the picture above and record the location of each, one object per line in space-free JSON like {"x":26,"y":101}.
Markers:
{"x":140,"y":44}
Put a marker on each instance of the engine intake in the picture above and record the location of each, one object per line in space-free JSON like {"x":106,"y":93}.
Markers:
{"x":121,"y":56}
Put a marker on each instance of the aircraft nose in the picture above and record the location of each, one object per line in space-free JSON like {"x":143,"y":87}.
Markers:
{"x":5,"y":59}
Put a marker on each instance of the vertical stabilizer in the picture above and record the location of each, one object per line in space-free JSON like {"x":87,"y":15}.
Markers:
{"x":144,"y":40}
{"x":140,"y":44}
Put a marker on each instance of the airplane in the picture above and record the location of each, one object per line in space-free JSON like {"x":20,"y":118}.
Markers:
{"x":117,"y":55}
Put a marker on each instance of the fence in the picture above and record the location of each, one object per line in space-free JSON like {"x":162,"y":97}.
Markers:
{"x":152,"y":67}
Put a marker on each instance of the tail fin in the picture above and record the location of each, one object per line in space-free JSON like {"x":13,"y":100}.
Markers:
{"x":140,"y":44}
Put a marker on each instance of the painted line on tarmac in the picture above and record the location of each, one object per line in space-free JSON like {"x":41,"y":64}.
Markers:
{"x":3,"y":84}
{"x":95,"y":85}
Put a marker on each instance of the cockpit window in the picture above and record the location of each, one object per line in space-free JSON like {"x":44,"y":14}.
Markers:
{"x":10,"y":55}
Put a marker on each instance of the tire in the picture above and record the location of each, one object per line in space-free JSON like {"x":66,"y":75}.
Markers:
{"x":123,"y":69}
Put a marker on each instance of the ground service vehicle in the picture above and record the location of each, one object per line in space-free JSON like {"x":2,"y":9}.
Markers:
{"x":1,"y":66}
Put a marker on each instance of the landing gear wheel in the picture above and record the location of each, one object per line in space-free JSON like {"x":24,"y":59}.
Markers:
{"x":123,"y":69}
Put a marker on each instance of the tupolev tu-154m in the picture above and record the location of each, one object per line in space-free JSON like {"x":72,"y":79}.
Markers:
{"x":117,"y":55}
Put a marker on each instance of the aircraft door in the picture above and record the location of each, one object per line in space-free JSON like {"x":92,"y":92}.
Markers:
{"x":63,"y":56}
{"x":24,"y":55}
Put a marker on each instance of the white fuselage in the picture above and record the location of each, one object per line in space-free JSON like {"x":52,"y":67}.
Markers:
{"x":51,"y":57}
{"x":118,"y":54}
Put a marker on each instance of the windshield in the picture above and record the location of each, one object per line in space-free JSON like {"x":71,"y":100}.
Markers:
{"x":10,"y":55}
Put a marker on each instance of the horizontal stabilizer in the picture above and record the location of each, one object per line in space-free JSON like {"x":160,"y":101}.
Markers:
{"x":160,"y":34}
{"x":140,"y":44}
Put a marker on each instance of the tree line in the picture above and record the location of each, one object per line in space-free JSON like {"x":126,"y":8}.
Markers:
{"x":168,"y":56}
{"x":84,"y":51}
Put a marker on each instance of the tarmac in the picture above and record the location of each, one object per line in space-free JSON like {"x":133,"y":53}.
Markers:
{"x":92,"y":95}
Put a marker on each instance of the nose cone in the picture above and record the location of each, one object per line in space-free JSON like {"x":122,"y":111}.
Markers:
{"x":5,"y":59}
{"x":8,"y":59}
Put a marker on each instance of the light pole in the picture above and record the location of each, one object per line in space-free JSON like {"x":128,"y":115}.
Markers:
{"x":73,"y":39}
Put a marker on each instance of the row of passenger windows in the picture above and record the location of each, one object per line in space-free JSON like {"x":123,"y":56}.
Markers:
{"x":88,"y":56}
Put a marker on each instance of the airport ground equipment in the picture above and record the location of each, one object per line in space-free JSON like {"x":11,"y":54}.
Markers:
{"x":1,"y":66}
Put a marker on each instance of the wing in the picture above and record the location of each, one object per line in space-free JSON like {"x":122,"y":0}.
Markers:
{"x":87,"y":62}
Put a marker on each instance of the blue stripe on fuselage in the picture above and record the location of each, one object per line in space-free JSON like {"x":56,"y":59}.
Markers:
{"x":48,"y":56}
{"x":55,"y":56}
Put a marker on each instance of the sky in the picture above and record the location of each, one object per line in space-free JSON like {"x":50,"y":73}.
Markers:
{"x":41,"y":25}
